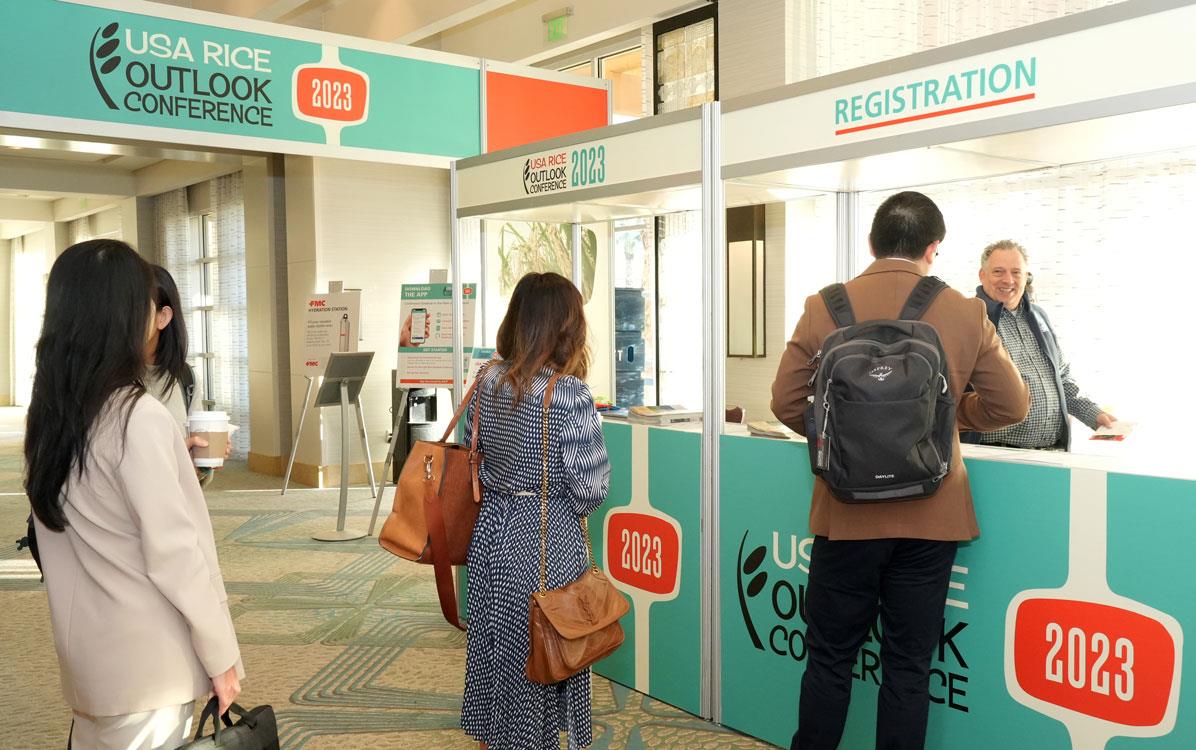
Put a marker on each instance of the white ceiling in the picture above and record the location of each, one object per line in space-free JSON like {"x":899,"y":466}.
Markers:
{"x":127,"y":163}
{"x":402,"y":21}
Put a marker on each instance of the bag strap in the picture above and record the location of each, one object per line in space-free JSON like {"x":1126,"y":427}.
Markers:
{"x":210,"y":710}
{"x":446,"y":590}
{"x":837,"y":302}
{"x":465,"y":405}
{"x":920,"y":299}
{"x":585,"y":528}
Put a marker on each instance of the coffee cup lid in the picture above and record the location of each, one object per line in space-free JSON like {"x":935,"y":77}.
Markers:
{"x":208,"y":416}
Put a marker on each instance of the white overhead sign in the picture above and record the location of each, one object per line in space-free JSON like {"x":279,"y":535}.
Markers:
{"x":644,"y":154}
{"x":1127,"y":57}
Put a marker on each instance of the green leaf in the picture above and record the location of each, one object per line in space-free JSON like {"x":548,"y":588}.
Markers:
{"x":753,"y":560}
{"x":757,"y":584}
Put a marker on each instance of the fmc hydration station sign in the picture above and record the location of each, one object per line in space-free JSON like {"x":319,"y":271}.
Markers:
{"x":83,"y":66}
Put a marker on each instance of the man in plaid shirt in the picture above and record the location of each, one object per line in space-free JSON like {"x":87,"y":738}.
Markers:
{"x":1028,"y":337}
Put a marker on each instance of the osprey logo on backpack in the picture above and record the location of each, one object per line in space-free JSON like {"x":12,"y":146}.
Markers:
{"x":880,"y":373}
{"x":881,"y":399}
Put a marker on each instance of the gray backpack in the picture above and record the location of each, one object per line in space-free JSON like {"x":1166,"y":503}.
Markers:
{"x":881,"y":422}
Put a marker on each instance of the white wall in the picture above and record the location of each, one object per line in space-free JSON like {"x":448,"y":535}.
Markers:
{"x":516,"y":34}
{"x":754,"y":47}
{"x":374,"y":227}
{"x":30,"y":267}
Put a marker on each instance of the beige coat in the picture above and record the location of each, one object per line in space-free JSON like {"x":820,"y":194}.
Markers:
{"x":137,"y":602}
{"x":974,"y":355}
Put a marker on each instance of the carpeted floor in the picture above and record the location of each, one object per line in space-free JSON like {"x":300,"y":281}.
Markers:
{"x":344,"y":640}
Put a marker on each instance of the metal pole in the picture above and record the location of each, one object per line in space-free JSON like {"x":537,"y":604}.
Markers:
{"x":458,"y":300}
{"x":286,"y":480}
{"x":365,"y":446}
{"x":342,"y":513}
{"x":714,"y":345}
{"x":483,"y":285}
{"x":390,"y":456}
{"x":575,"y":248}
{"x":847,"y":208}
{"x":484,"y":141}
{"x":343,"y":510}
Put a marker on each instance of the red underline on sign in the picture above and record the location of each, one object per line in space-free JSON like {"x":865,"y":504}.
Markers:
{"x":940,"y":113}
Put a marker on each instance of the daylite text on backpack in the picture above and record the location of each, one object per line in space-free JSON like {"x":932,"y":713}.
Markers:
{"x":882,"y":417}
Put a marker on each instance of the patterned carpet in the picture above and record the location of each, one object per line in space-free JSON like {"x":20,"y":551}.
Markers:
{"x":344,"y":640}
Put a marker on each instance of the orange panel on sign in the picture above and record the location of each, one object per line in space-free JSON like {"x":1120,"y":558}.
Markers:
{"x":523,"y":110}
{"x":335,"y":94}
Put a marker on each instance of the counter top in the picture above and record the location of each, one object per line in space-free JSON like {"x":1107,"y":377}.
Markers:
{"x":1120,"y":457}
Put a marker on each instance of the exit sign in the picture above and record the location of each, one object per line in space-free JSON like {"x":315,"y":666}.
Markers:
{"x":556,"y":24}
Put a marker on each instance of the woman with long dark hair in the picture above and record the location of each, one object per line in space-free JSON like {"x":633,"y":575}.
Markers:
{"x":542,"y":336}
{"x":170,"y":379}
{"x":137,"y":604}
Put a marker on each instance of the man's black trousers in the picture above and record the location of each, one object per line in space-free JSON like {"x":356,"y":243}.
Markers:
{"x":905,"y":581}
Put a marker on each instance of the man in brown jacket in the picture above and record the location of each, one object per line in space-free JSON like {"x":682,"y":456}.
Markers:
{"x":891,"y":558}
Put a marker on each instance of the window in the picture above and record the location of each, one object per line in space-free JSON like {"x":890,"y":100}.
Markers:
{"x":685,"y":52}
{"x":635,"y":312}
{"x":585,"y":69}
{"x":205,"y":273}
{"x":625,"y":71}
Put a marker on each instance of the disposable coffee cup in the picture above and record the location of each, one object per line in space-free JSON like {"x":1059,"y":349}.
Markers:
{"x":213,"y":427}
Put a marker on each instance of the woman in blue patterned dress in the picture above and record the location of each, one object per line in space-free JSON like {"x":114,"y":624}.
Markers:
{"x":543,"y":333}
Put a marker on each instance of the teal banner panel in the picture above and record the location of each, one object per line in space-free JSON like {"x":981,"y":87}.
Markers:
{"x":649,"y":534}
{"x":78,"y":67}
{"x":1045,"y":642}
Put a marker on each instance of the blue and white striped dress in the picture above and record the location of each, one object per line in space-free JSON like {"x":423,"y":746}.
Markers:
{"x":502,"y":707}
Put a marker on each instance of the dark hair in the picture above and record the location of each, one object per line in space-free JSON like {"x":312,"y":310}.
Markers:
{"x":545,"y":326}
{"x":92,"y":346}
{"x":905,"y":225}
{"x":171,"y":355}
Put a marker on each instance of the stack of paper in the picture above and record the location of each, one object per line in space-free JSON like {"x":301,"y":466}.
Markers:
{"x":662,"y":415}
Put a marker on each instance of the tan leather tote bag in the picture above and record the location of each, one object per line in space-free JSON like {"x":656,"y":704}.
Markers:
{"x":436,"y":505}
{"x":576,"y":625}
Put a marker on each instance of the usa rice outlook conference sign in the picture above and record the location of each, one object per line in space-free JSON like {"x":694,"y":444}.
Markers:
{"x":186,"y":77}
{"x":1063,"y":627}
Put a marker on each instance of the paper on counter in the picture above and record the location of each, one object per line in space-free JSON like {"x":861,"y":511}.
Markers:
{"x":1116,"y":431}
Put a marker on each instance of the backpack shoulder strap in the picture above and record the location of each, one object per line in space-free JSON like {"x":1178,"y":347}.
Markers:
{"x":920,"y":299}
{"x":835,"y":297}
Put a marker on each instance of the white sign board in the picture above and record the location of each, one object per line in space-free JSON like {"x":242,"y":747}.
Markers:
{"x":647,"y":154}
{"x":331,"y":323}
{"x":426,"y":334}
{"x":1064,"y":70}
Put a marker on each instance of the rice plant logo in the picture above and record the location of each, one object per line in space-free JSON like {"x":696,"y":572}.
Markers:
{"x":107,"y":43}
{"x":527,"y":176}
{"x":747,"y":567}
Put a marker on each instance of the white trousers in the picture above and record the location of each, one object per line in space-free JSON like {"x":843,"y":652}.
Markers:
{"x":161,"y":729}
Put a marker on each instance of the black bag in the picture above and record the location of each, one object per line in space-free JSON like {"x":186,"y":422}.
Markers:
{"x":882,"y":418}
{"x":254,"y":730}
{"x":30,"y":541}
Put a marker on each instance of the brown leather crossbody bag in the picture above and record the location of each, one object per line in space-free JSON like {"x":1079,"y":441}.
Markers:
{"x":576,"y":625}
{"x":437,"y":500}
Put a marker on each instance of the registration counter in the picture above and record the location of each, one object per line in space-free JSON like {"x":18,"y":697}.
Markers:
{"x":1064,"y":619}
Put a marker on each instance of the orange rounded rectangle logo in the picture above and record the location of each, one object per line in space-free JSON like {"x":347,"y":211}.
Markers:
{"x":1095,"y":659}
{"x":334,"y":94}
{"x":643,"y":551}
